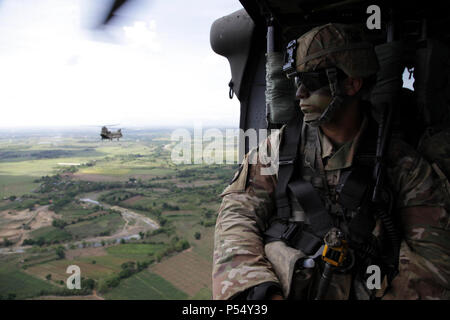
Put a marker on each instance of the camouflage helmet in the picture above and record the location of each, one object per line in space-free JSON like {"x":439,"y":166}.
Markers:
{"x":336,"y":45}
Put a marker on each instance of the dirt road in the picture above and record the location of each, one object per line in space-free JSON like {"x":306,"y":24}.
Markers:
{"x":16,"y":225}
{"x":134,"y":223}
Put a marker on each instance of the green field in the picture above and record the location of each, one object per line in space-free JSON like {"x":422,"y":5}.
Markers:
{"x":146,"y":286}
{"x":73,"y":212}
{"x":51,"y":234}
{"x":37,"y":168}
{"x":104,"y":266}
{"x":135,"y":251}
{"x":13,"y":185}
{"x":21,"y":284}
{"x":108,"y":223}
{"x":15,"y":281}
{"x":203,"y":294}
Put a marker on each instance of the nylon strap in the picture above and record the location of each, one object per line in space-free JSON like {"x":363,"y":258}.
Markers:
{"x":296,"y":237}
{"x":292,"y":233}
{"x":287,"y":156}
{"x":307,"y":196}
{"x":355,"y":185}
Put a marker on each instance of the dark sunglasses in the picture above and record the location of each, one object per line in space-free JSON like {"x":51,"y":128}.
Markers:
{"x":311,"y":80}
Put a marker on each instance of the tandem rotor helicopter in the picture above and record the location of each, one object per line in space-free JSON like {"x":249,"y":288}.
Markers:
{"x":110,"y":135}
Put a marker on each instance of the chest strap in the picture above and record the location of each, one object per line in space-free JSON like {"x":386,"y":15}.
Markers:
{"x":308,"y":239}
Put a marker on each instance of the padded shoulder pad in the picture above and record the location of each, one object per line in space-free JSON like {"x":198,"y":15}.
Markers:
{"x":239,"y":181}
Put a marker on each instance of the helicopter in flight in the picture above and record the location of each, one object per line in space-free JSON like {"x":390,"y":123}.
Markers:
{"x":108,"y":134}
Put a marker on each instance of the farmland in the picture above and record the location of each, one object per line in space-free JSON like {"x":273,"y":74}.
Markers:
{"x":138,"y":225}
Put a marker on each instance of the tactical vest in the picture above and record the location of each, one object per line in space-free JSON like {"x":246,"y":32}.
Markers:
{"x":307,"y":207}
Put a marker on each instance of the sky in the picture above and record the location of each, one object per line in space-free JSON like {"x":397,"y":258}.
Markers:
{"x":152,"y":67}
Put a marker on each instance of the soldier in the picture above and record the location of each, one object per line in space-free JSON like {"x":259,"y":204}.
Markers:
{"x":272,"y":228}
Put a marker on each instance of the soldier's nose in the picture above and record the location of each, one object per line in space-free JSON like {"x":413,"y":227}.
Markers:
{"x":302,"y":92}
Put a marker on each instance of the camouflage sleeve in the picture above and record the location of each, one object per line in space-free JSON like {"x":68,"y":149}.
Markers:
{"x":239,"y":261}
{"x":424,"y":257}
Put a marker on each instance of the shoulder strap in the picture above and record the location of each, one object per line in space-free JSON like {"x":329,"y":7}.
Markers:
{"x":290,"y":232}
{"x":356,"y":181}
{"x":287,"y":156}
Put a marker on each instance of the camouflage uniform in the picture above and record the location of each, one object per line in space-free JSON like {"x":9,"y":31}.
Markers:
{"x":248,"y":206}
{"x":242,"y":260}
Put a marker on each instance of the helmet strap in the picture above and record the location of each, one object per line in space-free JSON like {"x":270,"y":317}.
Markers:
{"x":336,"y":102}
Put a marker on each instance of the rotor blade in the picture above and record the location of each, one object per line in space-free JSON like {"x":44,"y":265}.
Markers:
{"x":116,"y":5}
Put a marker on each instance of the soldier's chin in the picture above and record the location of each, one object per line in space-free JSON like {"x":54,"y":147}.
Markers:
{"x":310,"y":117}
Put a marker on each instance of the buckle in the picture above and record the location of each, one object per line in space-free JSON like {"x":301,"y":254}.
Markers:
{"x":286,"y":162}
{"x":335,"y":255}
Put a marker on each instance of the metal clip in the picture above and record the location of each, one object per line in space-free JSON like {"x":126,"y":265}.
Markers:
{"x":289,"y":59}
{"x":285,"y":162}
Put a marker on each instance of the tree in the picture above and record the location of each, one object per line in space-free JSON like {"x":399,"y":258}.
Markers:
{"x":113,"y":282}
{"x":58,"y":223}
{"x":60,"y":252}
{"x":88,"y":284}
{"x":48,"y":277}
{"x":197,"y":235}
{"x":125,"y":273}
{"x":6,"y":242}
{"x":182,"y":245}
{"x":40,"y":241}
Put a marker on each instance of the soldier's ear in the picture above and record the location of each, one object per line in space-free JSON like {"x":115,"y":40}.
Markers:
{"x":352,"y":86}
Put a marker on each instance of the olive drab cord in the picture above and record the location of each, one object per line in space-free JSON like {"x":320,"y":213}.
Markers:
{"x":231,"y":92}
{"x":336,"y":96}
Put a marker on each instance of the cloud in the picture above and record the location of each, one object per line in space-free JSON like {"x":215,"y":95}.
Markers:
{"x":142,"y":35}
